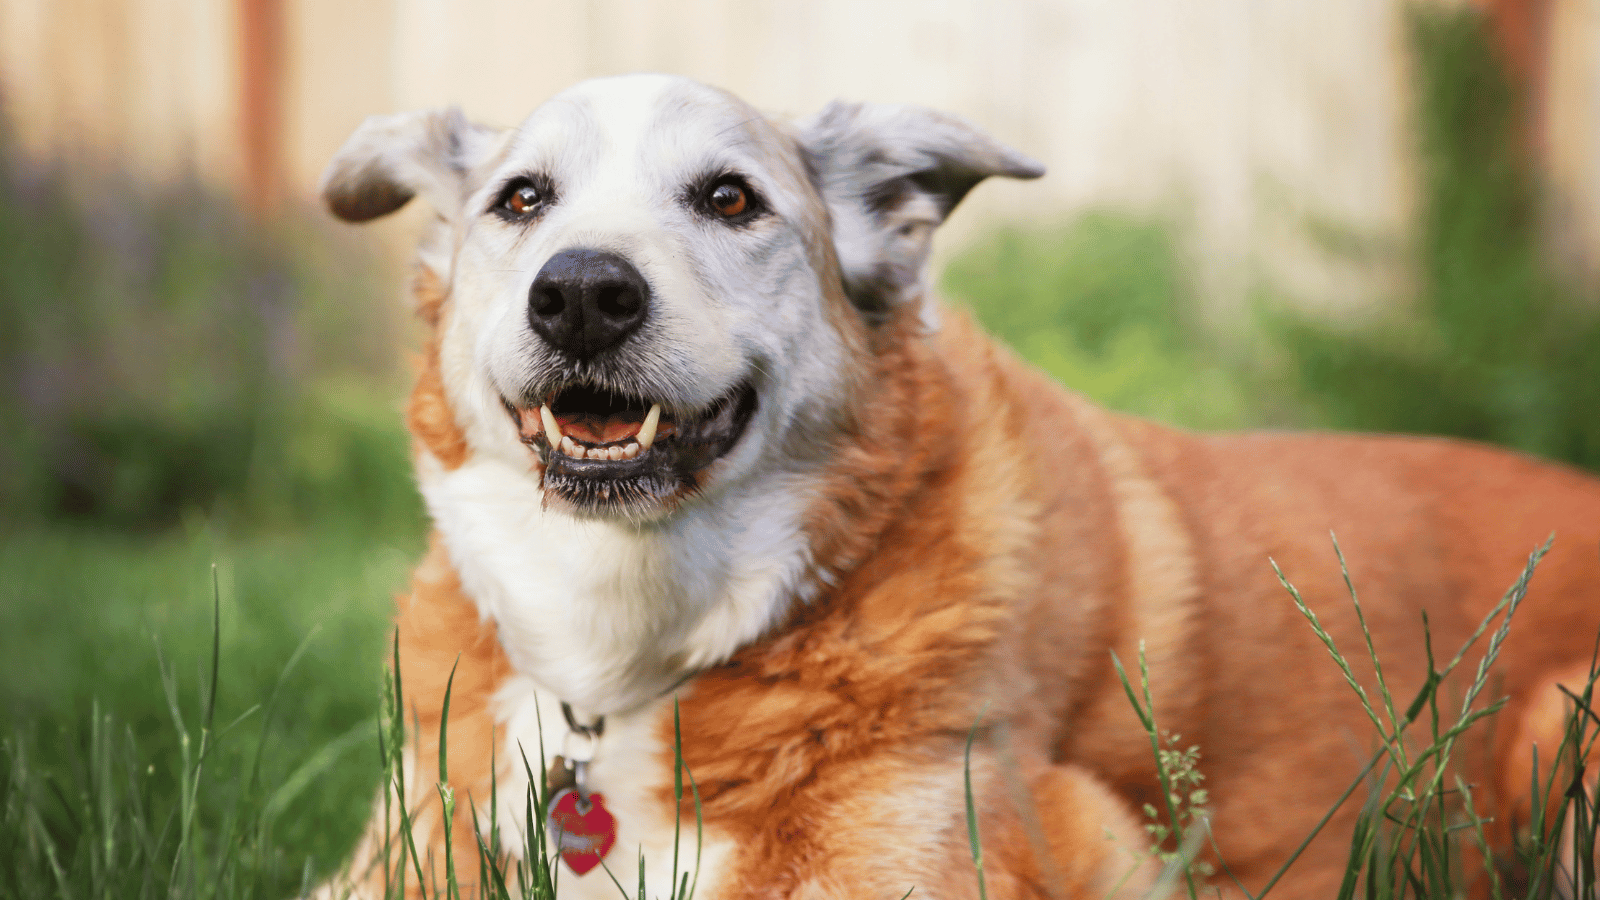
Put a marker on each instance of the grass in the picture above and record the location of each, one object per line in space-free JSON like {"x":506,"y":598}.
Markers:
{"x":121,"y":758}
{"x":533,"y":872}
{"x":201,"y":785}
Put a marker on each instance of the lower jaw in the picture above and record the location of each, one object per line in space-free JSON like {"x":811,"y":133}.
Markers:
{"x":642,"y":497}
{"x":638,"y":488}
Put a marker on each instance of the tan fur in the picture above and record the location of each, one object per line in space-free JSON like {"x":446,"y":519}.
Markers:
{"x":428,"y":412}
{"x":985,"y":541}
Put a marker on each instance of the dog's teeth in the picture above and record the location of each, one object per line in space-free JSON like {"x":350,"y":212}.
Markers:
{"x":552,"y":431}
{"x":570,"y":448}
{"x":630,"y":450}
{"x":647,"y":431}
{"x":613,"y":453}
{"x":597,"y":453}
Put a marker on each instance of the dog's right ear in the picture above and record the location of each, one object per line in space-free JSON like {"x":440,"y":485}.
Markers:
{"x":391,"y":159}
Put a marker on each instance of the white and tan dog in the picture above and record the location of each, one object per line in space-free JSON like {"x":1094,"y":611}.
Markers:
{"x":690,"y":431}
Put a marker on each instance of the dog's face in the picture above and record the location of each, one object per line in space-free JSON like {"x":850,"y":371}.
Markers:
{"x":656,"y":292}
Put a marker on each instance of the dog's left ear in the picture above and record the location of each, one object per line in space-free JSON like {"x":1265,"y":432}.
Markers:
{"x":390,"y":159}
{"x":890,"y":176}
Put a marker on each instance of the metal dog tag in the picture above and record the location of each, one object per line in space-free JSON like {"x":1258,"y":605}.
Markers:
{"x":582,"y":828}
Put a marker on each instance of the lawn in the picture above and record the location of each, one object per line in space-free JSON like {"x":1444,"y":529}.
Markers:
{"x":95,"y":629}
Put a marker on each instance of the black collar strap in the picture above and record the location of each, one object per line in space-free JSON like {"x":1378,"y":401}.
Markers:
{"x":592,"y":732}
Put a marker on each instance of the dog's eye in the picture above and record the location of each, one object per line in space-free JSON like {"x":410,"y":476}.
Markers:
{"x":729,"y":199}
{"x":726,"y":198}
{"x":522,"y":198}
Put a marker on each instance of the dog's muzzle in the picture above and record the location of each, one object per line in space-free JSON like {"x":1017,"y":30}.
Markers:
{"x":606,"y":445}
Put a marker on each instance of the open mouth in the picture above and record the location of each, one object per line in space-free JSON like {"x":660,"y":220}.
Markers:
{"x":602,"y":449}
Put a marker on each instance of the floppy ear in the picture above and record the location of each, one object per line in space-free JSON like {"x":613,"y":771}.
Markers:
{"x":890,"y":176}
{"x":391,"y":159}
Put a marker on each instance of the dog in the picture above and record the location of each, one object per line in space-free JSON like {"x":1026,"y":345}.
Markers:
{"x":700,"y":447}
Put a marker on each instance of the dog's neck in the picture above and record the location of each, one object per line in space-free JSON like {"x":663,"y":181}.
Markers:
{"x":609,"y":616}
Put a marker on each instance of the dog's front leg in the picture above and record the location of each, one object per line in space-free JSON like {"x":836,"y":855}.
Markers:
{"x":1054,"y":832}
{"x":897,"y":822}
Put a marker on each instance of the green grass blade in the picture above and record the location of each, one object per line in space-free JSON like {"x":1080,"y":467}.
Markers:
{"x":1366,"y":634}
{"x":972,"y":812}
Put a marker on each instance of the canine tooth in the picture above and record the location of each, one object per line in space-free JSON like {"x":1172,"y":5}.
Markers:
{"x":552,"y":431}
{"x":613,"y":453}
{"x":630,"y":450}
{"x":647,"y":431}
{"x":570,"y":448}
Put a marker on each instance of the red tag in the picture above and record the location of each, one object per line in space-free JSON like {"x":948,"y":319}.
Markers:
{"x":584,"y":830}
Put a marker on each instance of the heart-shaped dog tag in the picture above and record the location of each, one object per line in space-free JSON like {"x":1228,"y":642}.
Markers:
{"x":584,"y":829}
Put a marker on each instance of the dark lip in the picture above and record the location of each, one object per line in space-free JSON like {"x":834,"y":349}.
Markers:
{"x":668,"y":471}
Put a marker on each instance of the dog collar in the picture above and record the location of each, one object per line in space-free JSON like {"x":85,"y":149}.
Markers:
{"x":584,"y":829}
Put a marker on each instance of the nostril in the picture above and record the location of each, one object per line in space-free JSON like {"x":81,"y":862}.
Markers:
{"x":549,"y":302}
{"x":617,"y":301}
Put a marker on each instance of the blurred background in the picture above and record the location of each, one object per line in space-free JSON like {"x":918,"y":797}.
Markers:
{"x":1374,"y":214}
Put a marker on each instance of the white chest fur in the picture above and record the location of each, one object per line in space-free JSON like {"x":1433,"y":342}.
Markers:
{"x":609,"y":616}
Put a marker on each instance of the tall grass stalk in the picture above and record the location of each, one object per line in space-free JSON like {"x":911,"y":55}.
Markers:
{"x":974,"y":840}
{"x":1406,"y":840}
{"x":1403,"y":843}
{"x":1178,"y":826}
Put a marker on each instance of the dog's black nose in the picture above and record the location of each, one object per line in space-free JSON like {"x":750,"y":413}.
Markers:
{"x":584,"y":302}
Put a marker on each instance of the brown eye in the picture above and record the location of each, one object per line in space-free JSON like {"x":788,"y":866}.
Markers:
{"x":728,"y":200}
{"x":523,"y":200}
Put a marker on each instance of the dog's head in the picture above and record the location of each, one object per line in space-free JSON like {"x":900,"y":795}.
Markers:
{"x":655,"y":290}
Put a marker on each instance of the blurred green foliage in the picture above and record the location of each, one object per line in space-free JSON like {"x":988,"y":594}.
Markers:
{"x":1103,"y":306}
{"x":161,"y":356}
{"x":1493,"y":346}
{"x":179,"y":388}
